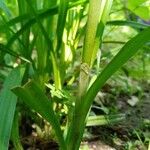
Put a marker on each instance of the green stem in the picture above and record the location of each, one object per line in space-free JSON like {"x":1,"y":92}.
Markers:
{"x":15,"y":133}
{"x":81,"y":112}
{"x":99,"y":34}
{"x":83,"y":80}
{"x":92,"y":24}
{"x":94,"y":32}
{"x":97,"y":17}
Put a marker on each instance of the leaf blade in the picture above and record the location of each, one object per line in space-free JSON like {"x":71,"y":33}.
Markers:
{"x":132,"y":24}
{"x":128,"y":50}
{"x":7,"y":105}
{"x":33,"y":97}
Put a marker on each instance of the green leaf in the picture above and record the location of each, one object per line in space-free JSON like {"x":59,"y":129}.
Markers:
{"x":42,"y":14}
{"x":50,"y":47}
{"x":140,"y":7}
{"x":26,"y":26}
{"x":104,"y":120}
{"x":132,"y":24}
{"x":81,"y":111}
{"x":94,"y":15}
{"x":133,"y":3}
{"x":127,"y":51}
{"x":6,"y":50}
{"x":32,"y":20}
{"x":63,"y":7}
{"x":5,"y":8}
{"x":8,"y":104}
{"x":29,"y":17}
{"x":15,"y":138}
{"x":34,"y":97}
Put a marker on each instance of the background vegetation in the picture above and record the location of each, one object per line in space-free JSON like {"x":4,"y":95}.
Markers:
{"x":67,"y":76}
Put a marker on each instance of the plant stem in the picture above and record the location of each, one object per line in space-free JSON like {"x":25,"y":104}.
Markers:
{"x":98,"y":10}
{"x":81,"y":112}
{"x":91,"y":29}
{"x":15,"y":133}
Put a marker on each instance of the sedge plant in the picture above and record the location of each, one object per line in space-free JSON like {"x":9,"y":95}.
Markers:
{"x":42,"y":40}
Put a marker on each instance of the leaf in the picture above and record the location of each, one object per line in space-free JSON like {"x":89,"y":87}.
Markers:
{"x":26,"y":26}
{"x":94,"y":15}
{"x":42,"y":14}
{"x":34,"y":97}
{"x":50,"y":47}
{"x":134,"y":4}
{"x":31,"y":21}
{"x":132,"y":24}
{"x":8,"y":104}
{"x":128,"y":50}
{"x":104,"y":120}
{"x":63,"y":7}
{"x":5,"y":8}
{"x":28,"y":17}
{"x":6,"y":50}
{"x":140,"y":8}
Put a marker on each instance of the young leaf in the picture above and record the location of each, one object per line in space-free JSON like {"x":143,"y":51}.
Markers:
{"x":140,"y":8}
{"x":132,"y":24}
{"x":5,"y":8}
{"x":7,"y":105}
{"x":104,"y":120}
{"x":34,"y":97}
{"x":63,"y":7}
{"x":81,"y":111}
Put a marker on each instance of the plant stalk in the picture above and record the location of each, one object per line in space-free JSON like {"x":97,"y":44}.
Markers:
{"x":94,"y":32}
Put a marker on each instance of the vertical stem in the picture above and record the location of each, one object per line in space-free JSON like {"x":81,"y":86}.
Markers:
{"x":57,"y":77}
{"x":94,"y":32}
{"x":83,"y":80}
{"x":106,"y":7}
{"x":97,"y":17}
{"x":89,"y":42}
{"x":92,"y":24}
{"x":15,"y":132}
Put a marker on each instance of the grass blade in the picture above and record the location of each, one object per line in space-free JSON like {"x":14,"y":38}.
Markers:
{"x":81,"y":112}
{"x":32,"y":21}
{"x":7,"y":105}
{"x":5,"y":49}
{"x":50,"y":48}
{"x":104,"y":119}
{"x":94,"y":15}
{"x":63,"y":7}
{"x":34,"y":97}
{"x":5,"y":8}
{"x":15,"y":138}
{"x":128,"y":50}
{"x":132,"y":24}
{"x":41,"y":15}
